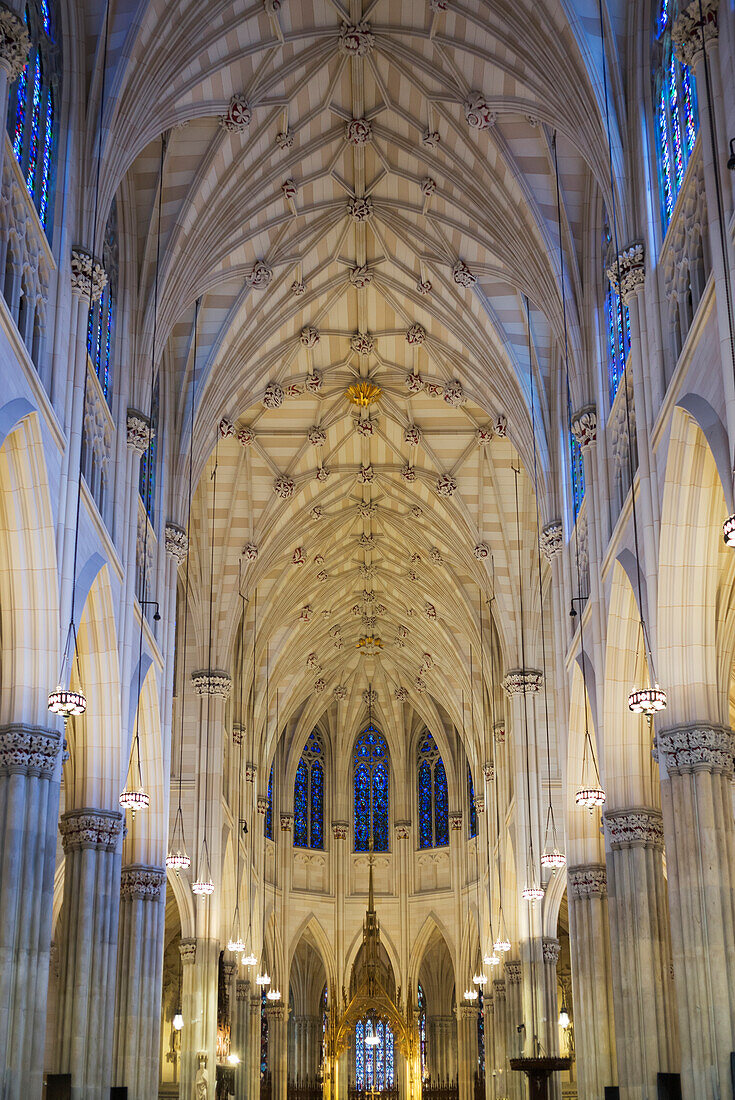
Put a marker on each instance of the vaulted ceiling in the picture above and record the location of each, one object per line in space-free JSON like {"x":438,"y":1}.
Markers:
{"x":362,"y":193}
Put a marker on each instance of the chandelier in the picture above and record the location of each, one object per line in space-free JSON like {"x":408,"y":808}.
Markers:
{"x":648,"y":701}
{"x":273,"y":995}
{"x":554,"y":860}
{"x":532,"y":893}
{"x":470,"y":994}
{"x":590,"y":798}
{"x":494,"y":959}
{"x":249,"y":960}
{"x":67,"y":703}
{"x":134,"y":800}
{"x":479,"y":979}
{"x":263,"y":979}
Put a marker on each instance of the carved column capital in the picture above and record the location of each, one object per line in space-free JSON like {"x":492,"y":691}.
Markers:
{"x":262,"y":804}
{"x":29,"y":750}
{"x":87,"y":828}
{"x":523,"y":681}
{"x":176,"y":542}
{"x":188,"y":952}
{"x":403,"y":830}
{"x":584,"y":426}
{"x":15,"y":42}
{"x":213,"y":681}
{"x":139,"y":431}
{"x":467,"y":1012}
{"x":687,"y":31}
{"x":550,"y":949}
{"x":513,"y":971}
{"x":499,"y":989}
{"x":587,"y":880}
{"x":455,"y":820}
{"x":633,"y":828}
{"x":142,"y":883}
{"x":242,"y":990}
{"x":698,"y":748}
{"x":488,"y":770}
{"x":87,"y":276}
{"x":552,"y":539}
{"x":632,"y":264}
{"x":229,"y":970}
{"x":251,"y":770}
{"x":286,"y":822}
{"x":339,"y":830}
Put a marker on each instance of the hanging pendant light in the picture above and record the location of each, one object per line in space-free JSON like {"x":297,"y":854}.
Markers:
{"x":470,"y":994}
{"x":273,"y":995}
{"x":492,"y":960}
{"x":532,"y":893}
{"x":134,"y":799}
{"x":249,"y":960}
{"x":648,"y":701}
{"x":554,"y":860}
{"x":67,"y":703}
{"x":479,"y":979}
{"x":590,"y":798}
{"x":203,"y":885}
{"x":263,"y":980}
{"x":177,"y":858}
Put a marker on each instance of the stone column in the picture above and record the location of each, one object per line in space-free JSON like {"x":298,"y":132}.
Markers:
{"x":277,"y":1050}
{"x":139,"y":973}
{"x":589,"y":941}
{"x":549,"y":1023}
{"x":88,"y":949}
{"x":189,"y":1011}
{"x":241,"y":1036}
{"x":466,"y":1049}
{"x":696,"y":765}
{"x":30,"y":773}
{"x":499,"y":1069}
{"x":515,"y":1040}
{"x":253,"y":1069}
{"x":646,"y":1026}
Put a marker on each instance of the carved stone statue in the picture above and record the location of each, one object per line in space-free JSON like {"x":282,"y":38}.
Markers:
{"x":201,"y":1081}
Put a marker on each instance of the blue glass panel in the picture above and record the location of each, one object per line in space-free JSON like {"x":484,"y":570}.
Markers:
{"x":663,"y":16}
{"x":481,"y":1032}
{"x":578,"y":485}
{"x":316,"y":838}
{"x":618,"y":344}
{"x":46,"y":16}
{"x":441,"y":805}
{"x":360,"y":1054}
{"x":473,"y":811}
{"x":20,"y":114}
{"x":300,"y":824}
{"x":691,"y":113}
{"x":48,"y":140}
{"x":263,"y":1036}
{"x":389,"y":1067}
{"x":370,"y":1066}
{"x":105,"y":379}
{"x":380,"y":807}
{"x":35,"y":124}
{"x":675,"y":124}
{"x":147,"y":483}
{"x":664,"y":158}
{"x":268,"y":824}
{"x":380,"y":1052}
{"x":362,"y":808}
{"x":425,"y":815}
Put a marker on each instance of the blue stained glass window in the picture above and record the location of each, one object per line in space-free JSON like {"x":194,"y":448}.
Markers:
{"x":473,"y":808}
{"x":308,"y":795}
{"x":268,"y":823}
{"x":481,"y":1032}
{"x":263,"y":1035}
{"x":577,"y":474}
{"x":432,"y":795}
{"x":371,"y":795}
{"x":31,"y":112}
{"x":422,"y":1029}
{"x":149,"y":457}
{"x":101,"y":315}
{"x":676,"y":114}
{"x":618,"y":343}
{"x":374,"y":1065}
{"x":301,"y":806}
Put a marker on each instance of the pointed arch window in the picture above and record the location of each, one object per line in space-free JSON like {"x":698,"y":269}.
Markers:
{"x":32,"y":110}
{"x":578,"y":485}
{"x":101,"y":321}
{"x":268,"y":823}
{"x":617,"y":336}
{"x":374,"y":1065}
{"x":421,"y":998}
{"x":370,"y":777}
{"x":675,"y":110}
{"x":149,"y":458}
{"x":308,"y":795}
{"x":433,"y":798}
{"x":473,"y":807}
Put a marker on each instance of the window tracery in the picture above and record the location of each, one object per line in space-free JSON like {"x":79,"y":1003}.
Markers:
{"x":32,"y":110}
{"x":617,"y":339}
{"x":578,"y":484}
{"x":675,"y":110}
{"x":370,"y":790}
{"x":433,"y":798}
{"x":268,"y":822}
{"x":308,"y":797}
{"x":148,"y":461}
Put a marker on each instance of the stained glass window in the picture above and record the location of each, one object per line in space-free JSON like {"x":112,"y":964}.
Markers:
{"x":432,"y":795}
{"x":473,"y":807}
{"x":31,"y":110}
{"x":308,"y":795}
{"x":422,"y":1029}
{"x":481,"y":1032}
{"x":148,"y":461}
{"x":374,"y":1065}
{"x":268,"y":823}
{"x":617,"y":338}
{"x":675,"y":109}
{"x":577,"y":474}
{"x":101,"y":317}
{"x":371,"y":793}
{"x":263,"y":1035}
